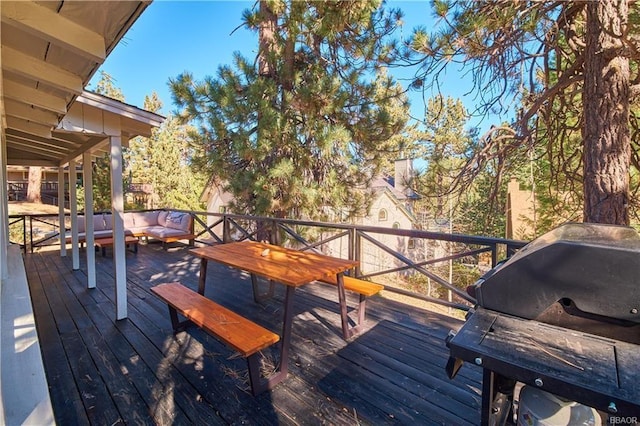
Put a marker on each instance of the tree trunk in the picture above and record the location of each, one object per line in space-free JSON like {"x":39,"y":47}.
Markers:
{"x":34,"y":185}
{"x":266,"y":41}
{"x":607,"y":141}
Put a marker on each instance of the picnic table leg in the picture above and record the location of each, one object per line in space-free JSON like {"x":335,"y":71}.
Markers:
{"x":286,"y":329}
{"x":258,"y":386}
{"x":257,"y":297}
{"x":203,"y":276}
{"x":342,"y":297}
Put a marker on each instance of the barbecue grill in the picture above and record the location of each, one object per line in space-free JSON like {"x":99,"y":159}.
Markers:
{"x":562,"y":316}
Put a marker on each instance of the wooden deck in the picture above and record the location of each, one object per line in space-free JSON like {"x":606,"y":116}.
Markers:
{"x":106,"y":372}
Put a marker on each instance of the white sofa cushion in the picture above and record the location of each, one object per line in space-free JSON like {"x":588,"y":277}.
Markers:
{"x":153,"y":223}
{"x":178,"y":221}
{"x":129,"y":220}
{"x":142,"y":219}
{"x":162,"y":218}
{"x":100,"y":222}
{"x":163,"y":232}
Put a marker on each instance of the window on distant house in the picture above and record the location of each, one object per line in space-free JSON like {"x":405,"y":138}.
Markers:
{"x":412,"y":243}
{"x":396,"y":225}
{"x":382,"y":215}
{"x":222,"y":209}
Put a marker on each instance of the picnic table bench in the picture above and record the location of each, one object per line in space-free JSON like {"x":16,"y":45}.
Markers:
{"x":238,"y":332}
{"x":363,"y":288}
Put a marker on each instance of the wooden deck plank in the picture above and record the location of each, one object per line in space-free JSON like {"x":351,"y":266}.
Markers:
{"x":94,"y":393}
{"x":393,"y":373}
{"x":186,"y":396}
{"x":437,"y":393}
{"x":424,"y":349}
{"x":131,"y":406}
{"x":186,"y":347}
{"x":62,"y":387}
{"x":160,"y":352}
{"x":162,"y":410}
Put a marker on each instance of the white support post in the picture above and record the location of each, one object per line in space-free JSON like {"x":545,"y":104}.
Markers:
{"x":87,"y":178}
{"x":73,"y":208}
{"x":61,"y":216}
{"x":4,"y":210}
{"x":117,"y":214}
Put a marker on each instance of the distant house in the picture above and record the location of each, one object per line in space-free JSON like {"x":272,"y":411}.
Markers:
{"x":18,"y":182}
{"x":217,"y":200}
{"x":393,"y":202}
{"x":392,"y":207}
{"x":520,"y":212}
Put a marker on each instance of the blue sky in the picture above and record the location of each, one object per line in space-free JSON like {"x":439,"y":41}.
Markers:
{"x":176,"y":36}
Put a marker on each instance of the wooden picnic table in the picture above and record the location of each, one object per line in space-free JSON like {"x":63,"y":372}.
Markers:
{"x":292,"y":268}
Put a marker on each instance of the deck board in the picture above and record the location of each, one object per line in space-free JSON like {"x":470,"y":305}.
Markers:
{"x":103,"y":371}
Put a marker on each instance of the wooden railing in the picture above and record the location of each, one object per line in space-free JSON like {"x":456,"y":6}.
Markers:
{"x":17,"y":190}
{"x":410,"y":263}
{"x":433,"y":267}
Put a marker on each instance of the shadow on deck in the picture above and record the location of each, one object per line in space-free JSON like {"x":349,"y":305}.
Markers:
{"x":105,"y":372}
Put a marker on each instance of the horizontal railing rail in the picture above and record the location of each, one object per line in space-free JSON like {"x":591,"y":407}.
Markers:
{"x":433,"y":267}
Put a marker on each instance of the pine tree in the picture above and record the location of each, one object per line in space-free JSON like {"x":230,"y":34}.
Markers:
{"x":106,"y":86}
{"x":308,"y":125}
{"x":550,"y":58}
{"x":445,"y":140}
{"x":164,"y":162}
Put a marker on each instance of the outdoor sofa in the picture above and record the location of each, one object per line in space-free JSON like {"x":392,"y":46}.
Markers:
{"x":166,"y":226}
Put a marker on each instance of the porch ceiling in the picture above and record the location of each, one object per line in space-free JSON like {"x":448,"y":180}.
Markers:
{"x":49,"y":52}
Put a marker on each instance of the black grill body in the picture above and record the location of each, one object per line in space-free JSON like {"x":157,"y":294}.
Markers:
{"x":563,"y":314}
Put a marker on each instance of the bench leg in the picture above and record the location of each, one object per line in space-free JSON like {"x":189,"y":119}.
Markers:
{"x":253,"y":364}
{"x":175,"y":322}
{"x":362,"y":308}
{"x":173,"y":314}
{"x":348,"y":330}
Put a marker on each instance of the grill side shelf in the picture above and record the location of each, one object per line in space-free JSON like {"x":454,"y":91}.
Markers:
{"x":589,"y":369}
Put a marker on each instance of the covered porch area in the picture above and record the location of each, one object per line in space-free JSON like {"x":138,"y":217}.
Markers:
{"x":49,"y":52}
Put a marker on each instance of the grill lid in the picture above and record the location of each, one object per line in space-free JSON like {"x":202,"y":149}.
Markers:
{"x":591,"y":269}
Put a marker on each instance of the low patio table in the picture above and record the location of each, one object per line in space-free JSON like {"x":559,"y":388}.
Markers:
{"x":292,"y":268}
{"x":103,"y":243}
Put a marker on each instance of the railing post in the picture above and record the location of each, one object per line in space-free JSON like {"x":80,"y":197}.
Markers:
{"x":275,"y":233}
{"x":226,"y":229}
{"x":355,"y":251}
{"x":192,"y":228}
{"x":494,"y":255}
{"x":30,"y":234}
